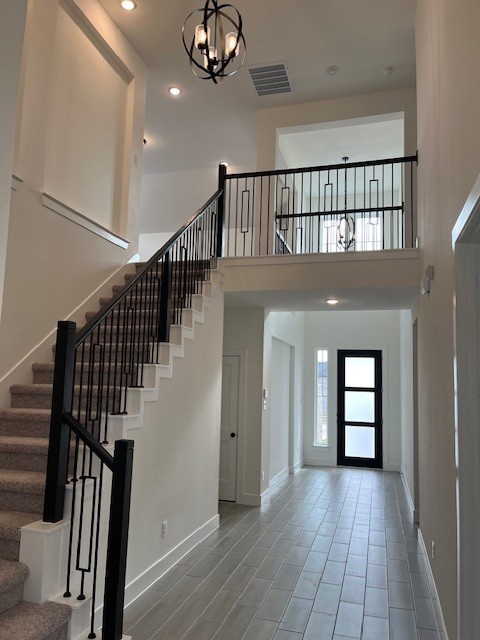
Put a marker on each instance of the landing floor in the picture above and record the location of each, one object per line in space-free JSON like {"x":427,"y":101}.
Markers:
{"x":333,"y":555}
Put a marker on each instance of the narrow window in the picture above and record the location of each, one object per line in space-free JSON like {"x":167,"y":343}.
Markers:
{"x":321,"y":427}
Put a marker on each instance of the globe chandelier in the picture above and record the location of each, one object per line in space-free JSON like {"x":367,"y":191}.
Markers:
{"x":216,"y":47}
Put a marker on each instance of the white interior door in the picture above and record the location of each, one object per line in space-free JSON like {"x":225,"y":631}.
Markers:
{"x":229,"y":429}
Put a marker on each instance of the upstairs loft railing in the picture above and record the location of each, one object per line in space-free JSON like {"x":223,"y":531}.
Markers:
{"x":94,"y":367}
{"x":362,"y":206}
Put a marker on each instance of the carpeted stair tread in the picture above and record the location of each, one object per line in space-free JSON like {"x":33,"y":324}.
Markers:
{"x":12,"y":574}
{"x":16,"y":481}
{"x":28,"y":621}
{"x":24,"y":444}
{"x":12,"y":521}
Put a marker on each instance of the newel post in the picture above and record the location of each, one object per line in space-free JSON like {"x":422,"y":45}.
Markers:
{"x":116,"y":565}
{"x":59,"y":444}
{"x":222,"y":172}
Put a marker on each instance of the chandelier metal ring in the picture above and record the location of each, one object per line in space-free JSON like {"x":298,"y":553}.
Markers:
{"x":211,"y":50}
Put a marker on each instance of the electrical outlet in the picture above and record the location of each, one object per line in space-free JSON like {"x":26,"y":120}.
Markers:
{"x":433,"y":549}
{"x":164,"y":529}
{"x":263,"y":476}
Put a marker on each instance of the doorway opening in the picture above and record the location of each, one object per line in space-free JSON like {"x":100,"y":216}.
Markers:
{"x":360,"y":441}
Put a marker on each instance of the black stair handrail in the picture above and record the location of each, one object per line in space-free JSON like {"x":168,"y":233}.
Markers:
{"x":94,"y":367}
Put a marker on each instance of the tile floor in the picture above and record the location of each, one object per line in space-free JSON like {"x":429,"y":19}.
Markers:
{"x":334,"y":555}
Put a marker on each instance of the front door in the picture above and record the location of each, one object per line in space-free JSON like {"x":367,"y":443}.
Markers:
{"x":229,"y":428}
{"x":360,"y":408}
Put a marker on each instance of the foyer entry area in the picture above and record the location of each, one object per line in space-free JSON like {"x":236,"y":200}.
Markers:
{"x":333,"y":554}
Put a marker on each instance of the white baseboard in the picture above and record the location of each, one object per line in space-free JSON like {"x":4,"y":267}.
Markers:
{"x":397,"y":468}
{"x":250,"y":499}
{"x":437,"y":608}
{"x":296,"y":467}
{"x":145,"y":580}
{"x":278,"y":478}
{"x":316,"y":462}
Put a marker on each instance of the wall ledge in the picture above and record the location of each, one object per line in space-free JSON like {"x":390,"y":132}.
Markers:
{"x":74,"y":216}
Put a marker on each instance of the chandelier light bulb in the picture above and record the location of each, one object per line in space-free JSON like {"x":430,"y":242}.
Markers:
{"x":231,"y":42}
{"x":201,"y":36}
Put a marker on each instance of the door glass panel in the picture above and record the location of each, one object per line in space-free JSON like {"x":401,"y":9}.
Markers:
{"x":359,"y":442}
{"x":360,"y":372}
{"x":360,"y":406}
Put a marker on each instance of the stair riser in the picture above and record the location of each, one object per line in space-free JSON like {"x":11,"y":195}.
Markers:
{"x":11,"y":597}
{"x":44,"y":401}
{"x":9,"y":549}
{"x":16,"y":501}
{"x":46,"y":377}
{"x":23,"y":461}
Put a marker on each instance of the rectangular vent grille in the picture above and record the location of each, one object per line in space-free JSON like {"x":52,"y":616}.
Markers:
{"x":270,"y":79}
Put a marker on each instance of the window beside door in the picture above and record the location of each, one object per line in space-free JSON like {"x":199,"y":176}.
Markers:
{"x":320,"y":437}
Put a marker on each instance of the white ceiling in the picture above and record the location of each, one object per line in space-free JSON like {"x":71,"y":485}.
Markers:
{"x":209,"y":123}
{"x":359,"y":140}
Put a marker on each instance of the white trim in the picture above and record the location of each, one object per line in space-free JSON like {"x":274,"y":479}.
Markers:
{"x":392,"y":466}
{"x":316,"y":462}
{"x":78,"y":218}
{"x":145,"y":580}
{"x":296,"y":467}
{"x":411,"y":504}
{"x":251,"y":499}
{"x":465,"y":239}
{"x":16,"y":182}
{"x":437,"y":608}
{"x":278,"y":478}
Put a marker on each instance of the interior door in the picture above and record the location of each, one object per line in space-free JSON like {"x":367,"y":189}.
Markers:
{"x":360,"y":442}
{"x":229,"y":428}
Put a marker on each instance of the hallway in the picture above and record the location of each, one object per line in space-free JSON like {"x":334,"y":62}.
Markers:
{"x":332,"y":556}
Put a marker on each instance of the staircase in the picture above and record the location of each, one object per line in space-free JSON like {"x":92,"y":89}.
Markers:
{"x":24,"y":442}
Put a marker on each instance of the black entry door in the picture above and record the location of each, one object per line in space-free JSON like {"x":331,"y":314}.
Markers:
{"x":360,"y":409}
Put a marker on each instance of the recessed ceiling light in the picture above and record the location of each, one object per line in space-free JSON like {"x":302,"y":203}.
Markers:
{"x":332,"y":71}
{"x":174,"y":91}
{"x":332,"y":301}
{"x":128,"y":5}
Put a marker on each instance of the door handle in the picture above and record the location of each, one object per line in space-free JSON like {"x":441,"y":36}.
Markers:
{"x":232,"y":435}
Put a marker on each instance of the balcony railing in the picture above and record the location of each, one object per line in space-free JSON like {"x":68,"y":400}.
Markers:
{"x":362,"y":206}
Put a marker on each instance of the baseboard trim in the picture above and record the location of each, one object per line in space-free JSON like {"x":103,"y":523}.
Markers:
{"x":145,"y":580}
{"x":250,"y":499}
{"x":315,"y":462}
{"x":407,"y":492}
{"x":296,"y":467}
{"x":392,"y":467}
{"x":278,"y":478}
{"x":437,"y":608}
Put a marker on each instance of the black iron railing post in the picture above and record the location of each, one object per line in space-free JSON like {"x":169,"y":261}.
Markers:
{"x":116,"y":566}
{"x":222,"y":172}
{"x":58,"y":451}
{"x":164,"y":316}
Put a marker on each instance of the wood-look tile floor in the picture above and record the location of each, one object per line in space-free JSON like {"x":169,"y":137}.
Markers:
{"x":333,"y":555}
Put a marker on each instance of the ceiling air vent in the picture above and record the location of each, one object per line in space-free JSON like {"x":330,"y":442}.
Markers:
{"x":270,"y":79}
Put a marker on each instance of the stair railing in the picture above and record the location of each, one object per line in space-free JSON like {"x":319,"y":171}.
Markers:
{"x":359,"y":206}
{"x":94,"y":367}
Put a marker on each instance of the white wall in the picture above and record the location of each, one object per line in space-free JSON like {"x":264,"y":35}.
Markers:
{"x":448,"y":50}
{"x":279,"y":411}
{"x":169,"y":199}
{"x":244,"y":329}
{"x":310,"y":113}
{"x":176,"y":458}
{"x":288,"y":327}
{"x":53,"y":264}
{"x":333,"y":330}
{"x":150,"y":243}
{"x":406,"y":391}
{"x":12,"y":28}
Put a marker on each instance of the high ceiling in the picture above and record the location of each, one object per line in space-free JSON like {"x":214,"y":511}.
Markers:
{"x":208,"y":123}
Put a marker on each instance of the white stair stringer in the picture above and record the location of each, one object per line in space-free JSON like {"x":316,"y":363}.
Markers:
{"x":43,"y":545}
